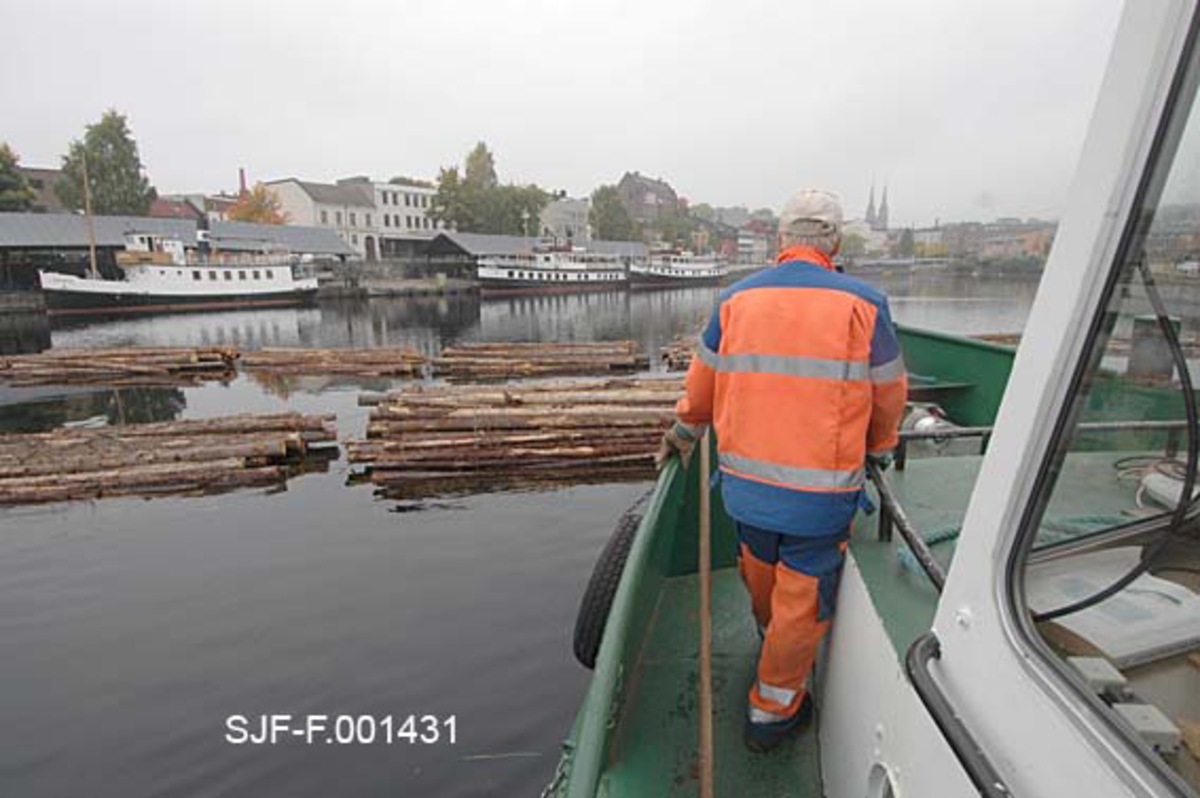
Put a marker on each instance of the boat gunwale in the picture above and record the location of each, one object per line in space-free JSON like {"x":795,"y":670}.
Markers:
{"x":592,"y":743}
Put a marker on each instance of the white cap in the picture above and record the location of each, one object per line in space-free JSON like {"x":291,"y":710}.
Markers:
{"x":811,"y":213}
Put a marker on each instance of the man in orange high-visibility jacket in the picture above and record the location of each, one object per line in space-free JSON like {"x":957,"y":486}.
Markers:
{"x":800,"y":372}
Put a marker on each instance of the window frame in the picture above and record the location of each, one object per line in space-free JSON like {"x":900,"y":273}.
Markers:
{"x":1181,"y":106}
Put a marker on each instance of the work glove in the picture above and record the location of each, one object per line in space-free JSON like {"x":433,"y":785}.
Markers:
{"x":881,"y":460}
{"x":678,"y":439}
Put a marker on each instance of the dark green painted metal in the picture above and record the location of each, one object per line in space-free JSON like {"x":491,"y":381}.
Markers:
{"x":635,"y":733}
{"x":935,"y":492}
{"x":978,"y":369}
{"x":655,"y":746}
{"x":646,"y":616}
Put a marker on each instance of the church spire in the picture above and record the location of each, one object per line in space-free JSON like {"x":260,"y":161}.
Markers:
{"x":882,"y":218}
{"x":871,"y":208}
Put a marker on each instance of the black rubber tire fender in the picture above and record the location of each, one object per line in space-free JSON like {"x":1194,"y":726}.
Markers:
{"x":602,"y":588}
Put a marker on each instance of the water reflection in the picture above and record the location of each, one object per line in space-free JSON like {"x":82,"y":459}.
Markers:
{"x":23,"y":333}
{"x":957,"y":301}
{"x":319,"y":599}
{"x":949,"y":301}
{"x":43,"y":408}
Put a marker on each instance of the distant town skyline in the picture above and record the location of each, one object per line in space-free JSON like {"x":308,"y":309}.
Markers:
{"x":964,"y":112}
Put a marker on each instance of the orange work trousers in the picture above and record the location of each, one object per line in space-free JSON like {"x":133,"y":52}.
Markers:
{"x":793,"y":582}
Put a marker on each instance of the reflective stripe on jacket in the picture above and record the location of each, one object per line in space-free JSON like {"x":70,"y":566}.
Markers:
{"x":800,"y":372}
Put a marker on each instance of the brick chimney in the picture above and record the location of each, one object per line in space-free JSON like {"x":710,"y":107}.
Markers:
{"x":241,"y":181}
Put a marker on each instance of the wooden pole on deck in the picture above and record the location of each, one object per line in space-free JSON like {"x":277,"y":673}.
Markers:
{"x":706,"y":704}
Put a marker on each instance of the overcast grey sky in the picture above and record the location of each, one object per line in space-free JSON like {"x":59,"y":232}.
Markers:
{"x":967,"y":109}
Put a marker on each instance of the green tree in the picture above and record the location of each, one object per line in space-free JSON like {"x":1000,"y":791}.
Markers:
{"x":704,"y":212}
{"x":475,"y":201}
{"x":675,"y":228}
{"x":608,"y":218}
{"x":15,"y":193}
{"x":261,"y":205}
{"x":853,"y":245}
{"x":515,"y":210}
{"x":118,"y":184}
{"x":479,"y":171}
{"x":904,"y":246}
{"x":450,"y":205}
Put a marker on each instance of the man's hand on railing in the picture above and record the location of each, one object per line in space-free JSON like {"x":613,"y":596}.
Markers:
{"x":881,"y":460}
{"x":678,"y":439}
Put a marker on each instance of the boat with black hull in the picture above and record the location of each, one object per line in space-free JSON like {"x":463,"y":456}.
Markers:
{"x":673,"y":269}
{"x":552,"y":270}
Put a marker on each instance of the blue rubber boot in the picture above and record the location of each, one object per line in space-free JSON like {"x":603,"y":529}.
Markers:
{"x":763,"y":737}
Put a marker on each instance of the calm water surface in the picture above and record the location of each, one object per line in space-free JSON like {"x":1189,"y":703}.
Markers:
{"x":130,"y":629}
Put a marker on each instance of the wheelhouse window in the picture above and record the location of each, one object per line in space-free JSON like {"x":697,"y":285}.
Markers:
{"x":1106,"y":574}
{"x":241,"y":274}
{"x":256,"y":275}
{"x":195,"y":275}
{"x":228,"y":275}
{"x":212,"y":275}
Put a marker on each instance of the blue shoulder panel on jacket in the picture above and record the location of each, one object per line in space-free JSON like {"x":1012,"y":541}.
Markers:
{"x":885,"y":346}
{"x":801,"y":274}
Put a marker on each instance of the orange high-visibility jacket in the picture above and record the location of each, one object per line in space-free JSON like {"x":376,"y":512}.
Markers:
{"x":800,"y":372}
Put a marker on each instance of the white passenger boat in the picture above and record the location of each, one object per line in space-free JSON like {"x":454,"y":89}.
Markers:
{"x":551,"y":270}
{"x":675,"y":268}
{"x":158,"y":276}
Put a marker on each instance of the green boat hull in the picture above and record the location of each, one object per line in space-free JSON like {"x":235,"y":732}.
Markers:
{"x":636,"y":732}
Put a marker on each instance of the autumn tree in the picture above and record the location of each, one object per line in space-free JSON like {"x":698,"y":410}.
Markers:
{"x":260,"y":205}
{"x":608,"y":218}
{"x":118,"y":185}
{"x":15,"y":193}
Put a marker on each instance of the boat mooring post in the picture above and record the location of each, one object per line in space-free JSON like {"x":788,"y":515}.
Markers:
{"x":705,"y":567}
{"x":91,"y":225}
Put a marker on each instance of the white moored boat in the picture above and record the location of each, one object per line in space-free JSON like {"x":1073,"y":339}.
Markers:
{"x":674,"y":268}
{"x":551,"y":270}
{"x":158,"y":276}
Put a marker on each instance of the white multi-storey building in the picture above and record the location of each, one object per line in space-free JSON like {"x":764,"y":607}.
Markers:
{"x":347,"y":208}
{"x":403,"y":213}
{"x":378,"y":220}
{"x":753,"y":247}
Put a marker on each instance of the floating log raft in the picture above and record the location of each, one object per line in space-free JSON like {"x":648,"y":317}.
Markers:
{"x":374,"y":362}
{"x":203,"y":455}
{"x":502,"y":361}
{"x":677,"y":355}
{"x":423,"y":439}
{"x":124,"y":367}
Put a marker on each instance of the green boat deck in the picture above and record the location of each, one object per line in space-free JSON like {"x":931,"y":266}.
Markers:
{"x":636,"y":732}
{"x":934,"y":492}
{"x":657,"y":743}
